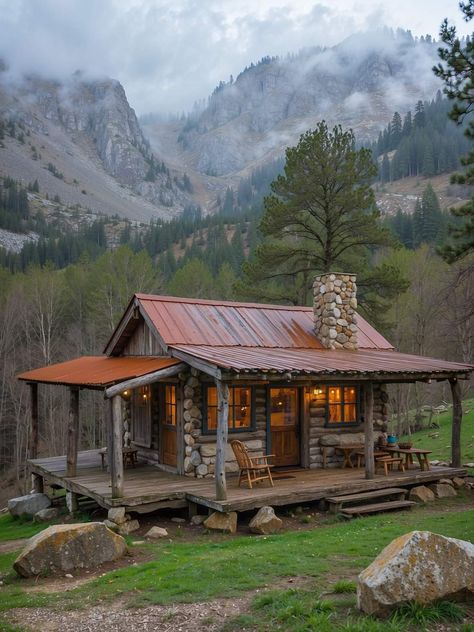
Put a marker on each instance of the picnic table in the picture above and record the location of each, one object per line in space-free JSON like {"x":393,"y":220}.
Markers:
{"x":421,"y":455}
{"x":347,"y":452}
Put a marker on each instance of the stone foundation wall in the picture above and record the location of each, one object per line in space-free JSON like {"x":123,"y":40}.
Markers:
{"x":321,"y":436}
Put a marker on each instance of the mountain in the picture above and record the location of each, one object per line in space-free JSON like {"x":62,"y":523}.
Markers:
{"x":82,"y":141}
{"x":358,"y":83}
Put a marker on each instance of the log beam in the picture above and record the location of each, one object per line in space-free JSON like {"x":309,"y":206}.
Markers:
{"x":34,"y":430}
{"x":369,"y":430}
{"x":115,"y":450}
{"x":143,"y":380}
{"x":72,"y":432}
{"x":222,"y":431}
{"x":456,"y":427}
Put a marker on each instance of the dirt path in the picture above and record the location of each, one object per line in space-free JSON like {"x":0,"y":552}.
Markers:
{"x":12,"y":545}
{"x":115,"y":617}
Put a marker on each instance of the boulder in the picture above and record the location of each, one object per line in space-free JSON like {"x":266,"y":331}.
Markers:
{"x":443,"y":490}
{"x":419,"y":566}
{"x":111,"y":525}
{"x":459,"y":482}
{"x":46,"y":515}
{"x":117,"y":515}
{"x":64,"y":547}
{"x":198,"y":519}
{"x":28,"y":505}
{"x":265,"y":522}
{"x":218,"y":521}
{"x":422,"y":494}
{"x":128,"y":527}
{"x":446,"y":481}
{"x":156,"y":532}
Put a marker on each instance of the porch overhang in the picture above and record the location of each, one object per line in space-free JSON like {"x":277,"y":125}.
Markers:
{"x":97,"y":372}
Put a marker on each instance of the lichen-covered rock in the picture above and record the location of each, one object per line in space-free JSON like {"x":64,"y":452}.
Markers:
{"x":419,"y":566}
{"x":64,"y":547}
{"x":265,"y":521}
{"x":219,"y":521}
{"x":443,"y":490}
{"x":422,"y":494}
{"x":28,"y":505}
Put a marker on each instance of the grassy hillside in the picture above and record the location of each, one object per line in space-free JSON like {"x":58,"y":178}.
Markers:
{"x":439,"y":439}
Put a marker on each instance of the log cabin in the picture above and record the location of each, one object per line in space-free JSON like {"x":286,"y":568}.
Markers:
{"x":183,"y":377}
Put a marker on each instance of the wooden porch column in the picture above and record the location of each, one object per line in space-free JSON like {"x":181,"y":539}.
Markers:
{"x":222,"y":430}
{"x":34,"y":431}
{"x":73,"y":432}
{"x":369,"y":430}
{"x":456,"y":427}
{"x":115,"y":447}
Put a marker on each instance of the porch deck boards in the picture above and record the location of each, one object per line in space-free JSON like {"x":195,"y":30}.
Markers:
{"x":147,"y":488}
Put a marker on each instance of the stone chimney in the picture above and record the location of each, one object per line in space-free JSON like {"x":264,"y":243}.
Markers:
{"x":334,"y":305}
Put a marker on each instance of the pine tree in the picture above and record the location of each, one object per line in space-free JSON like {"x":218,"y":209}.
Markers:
{"x":395,"y":131}
{"x":385,"y":169}
{"x":419,"y":118}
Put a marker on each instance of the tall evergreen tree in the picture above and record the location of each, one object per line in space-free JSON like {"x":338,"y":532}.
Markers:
{"x":457,"y":72}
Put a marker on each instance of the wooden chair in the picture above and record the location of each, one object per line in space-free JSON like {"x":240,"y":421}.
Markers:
{"x":255,"y":468}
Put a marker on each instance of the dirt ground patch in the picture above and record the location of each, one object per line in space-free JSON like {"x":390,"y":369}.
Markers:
{"x":199,"y":617}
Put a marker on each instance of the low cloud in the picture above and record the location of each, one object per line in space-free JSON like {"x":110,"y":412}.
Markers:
{"x":168,"y":54}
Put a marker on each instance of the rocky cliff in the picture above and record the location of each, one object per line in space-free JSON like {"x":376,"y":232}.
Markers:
{"x":358,"y":84}
{"x":85,"y":130}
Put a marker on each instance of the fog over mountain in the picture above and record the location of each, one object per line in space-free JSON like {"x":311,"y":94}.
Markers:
{"x":167,"y":54}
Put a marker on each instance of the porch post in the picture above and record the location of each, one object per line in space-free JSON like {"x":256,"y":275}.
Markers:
{"x":369,"y":431}
{"x":456,"y":427}
{"x":34,"y":430}
{"x":115,"y":449}
{"x":222,"y":430}
{"x":72,"y":432}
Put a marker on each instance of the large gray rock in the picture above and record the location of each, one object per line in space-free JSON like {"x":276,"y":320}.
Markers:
{"x":28,"y":505}
{"x":117,"y":515}
{"x":265,"y":522}
{"x":64,"y":547}
{"x":419,"y":566}
{"x":156,"y":533}
{"x":218,"y":521}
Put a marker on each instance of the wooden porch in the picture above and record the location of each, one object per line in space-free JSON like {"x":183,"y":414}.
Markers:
{"x":147,"y":488}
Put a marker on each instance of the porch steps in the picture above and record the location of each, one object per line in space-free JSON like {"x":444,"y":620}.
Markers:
{"x":358,"y":501}
{"x":350,"y":512}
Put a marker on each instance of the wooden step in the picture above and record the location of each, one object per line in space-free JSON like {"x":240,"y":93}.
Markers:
{"x":336,"y":502}
{"x":349,"y":512}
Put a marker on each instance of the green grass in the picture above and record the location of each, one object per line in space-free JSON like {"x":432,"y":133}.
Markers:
{"x":343,"y":586}
{"x":201,"y":570}
{"x":422,"y":615}
{"x":441,"y":445}
{"x":17,"y":528}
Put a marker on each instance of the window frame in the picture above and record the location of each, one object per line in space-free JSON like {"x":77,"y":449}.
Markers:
{"x":231,"y":430}
{"x":343,"y":424}
{"x":164,"y":385}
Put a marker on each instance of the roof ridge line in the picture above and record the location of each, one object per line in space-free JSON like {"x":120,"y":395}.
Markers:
{"x":203,"y":301}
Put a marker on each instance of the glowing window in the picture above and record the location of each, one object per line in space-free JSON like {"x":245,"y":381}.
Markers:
{"x":240,"y":408}
{"x":342,"y":404}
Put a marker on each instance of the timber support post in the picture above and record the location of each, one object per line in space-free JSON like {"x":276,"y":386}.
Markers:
{"x":34,"y":431}
{"x":73,"y":432}
{"x":457,"y":419}
{"x":369,"y":430}
{"x":115,"y":449}
{"x":222,"y":430}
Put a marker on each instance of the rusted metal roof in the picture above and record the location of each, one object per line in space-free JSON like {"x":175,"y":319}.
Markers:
{"x":320,"y":361}
{"x":184,"y":321}
{"x":97,"y":371}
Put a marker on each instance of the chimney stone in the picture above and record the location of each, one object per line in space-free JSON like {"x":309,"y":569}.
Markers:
{"x":334,"y":305}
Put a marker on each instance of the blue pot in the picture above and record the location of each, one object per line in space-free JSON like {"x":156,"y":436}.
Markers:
{"x":391,"y":439}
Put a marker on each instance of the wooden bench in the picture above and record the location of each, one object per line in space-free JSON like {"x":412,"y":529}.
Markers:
{"x":350,"y":512}
{"x":389,"y":461}
{"x":336,"y":503}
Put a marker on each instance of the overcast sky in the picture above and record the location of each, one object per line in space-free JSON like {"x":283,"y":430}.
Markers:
{"x":169,"y":53}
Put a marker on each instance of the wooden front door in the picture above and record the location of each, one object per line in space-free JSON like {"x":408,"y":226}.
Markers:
{"x":285,"y":426}
{"x":169,"y":452}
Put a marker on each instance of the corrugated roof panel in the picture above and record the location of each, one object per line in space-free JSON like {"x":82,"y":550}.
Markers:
{"x":97,"y":371}
{"x":225,"y":323}
{"x":322,"y":361}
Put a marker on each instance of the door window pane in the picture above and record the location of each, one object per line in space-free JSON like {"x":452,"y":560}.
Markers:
{"x":170,"y":405}
{"x":284,"y":406}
